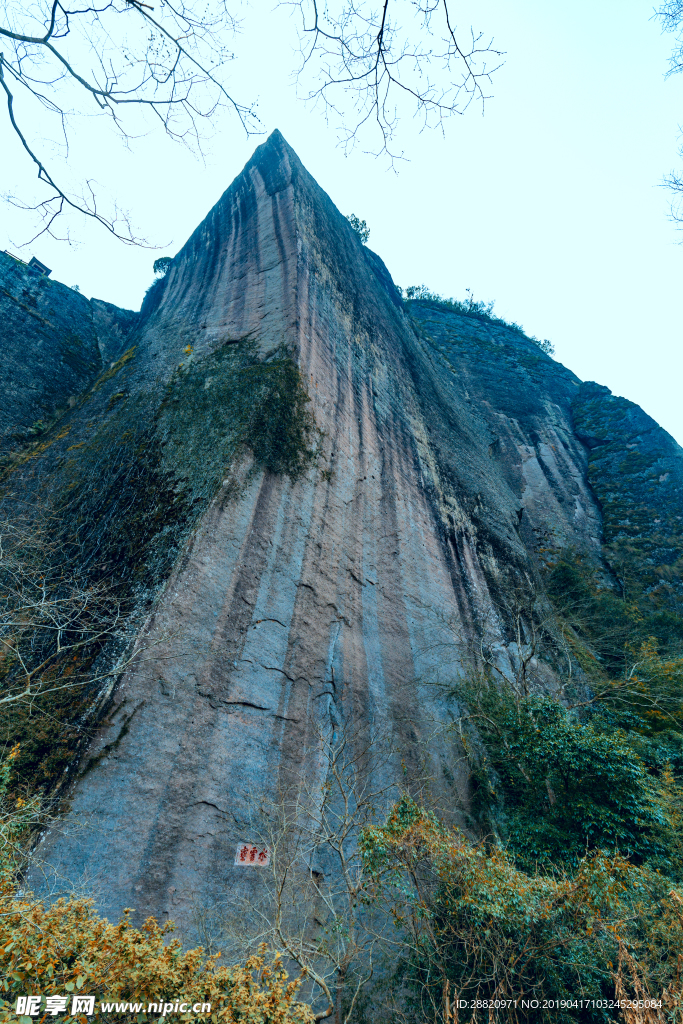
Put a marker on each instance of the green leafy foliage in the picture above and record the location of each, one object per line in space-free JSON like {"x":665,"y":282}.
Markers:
{"x":360,"y":227}
{"x":560,"y":787}
{"x":475,"y":308}
{"x":162,"y":265}
{"x":579,"y":802}
{"x":470,"y":307}
{"x":601,"y":769}
{"x":472,"y":923}
{"x":628,"y":644}
{"x":130,"y":495}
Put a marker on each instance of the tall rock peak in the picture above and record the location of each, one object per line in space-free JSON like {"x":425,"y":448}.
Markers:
{"x":284,"y":606}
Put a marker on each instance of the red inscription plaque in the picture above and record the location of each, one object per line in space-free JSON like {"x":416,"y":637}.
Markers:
{"x":249,"y":856}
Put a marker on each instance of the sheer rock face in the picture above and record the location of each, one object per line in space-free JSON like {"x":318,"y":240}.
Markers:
{"x":54,"y":344}
{"x":636,"y":470}
{"x":49,"y":350}
{"x":448,"y":455}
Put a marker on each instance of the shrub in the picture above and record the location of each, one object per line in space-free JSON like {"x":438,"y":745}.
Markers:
{"x":561,"y":787}
{"x":66,"y":947}
{"x":475,"y":308}
{"x":630,"y":648}
{"x":470,"y":307}
{"x":162,"y":265}
{"x":472,"y":925}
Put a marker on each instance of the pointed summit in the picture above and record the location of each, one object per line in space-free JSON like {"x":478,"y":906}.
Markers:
{"x":242,"y":271}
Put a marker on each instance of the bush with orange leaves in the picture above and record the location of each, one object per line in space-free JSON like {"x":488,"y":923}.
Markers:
{"x":66,"y":947}
{"x":472,"y":926}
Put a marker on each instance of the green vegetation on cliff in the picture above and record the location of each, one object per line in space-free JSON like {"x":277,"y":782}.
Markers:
{"x":634,"y":469}
{"x":476,"y":309}
{"x":66,"y":948}
{"x":482,"y":939}
{"x":126,"y":499}
{"x":574,"y":890}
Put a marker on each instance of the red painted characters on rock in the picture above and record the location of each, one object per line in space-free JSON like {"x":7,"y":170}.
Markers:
{"x":249,"y":855}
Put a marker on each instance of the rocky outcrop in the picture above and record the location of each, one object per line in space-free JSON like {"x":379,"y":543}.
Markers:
{"x":636,"y":471}
{"x":54,"y":344}
{"x":298,"y":606}
{"x":520,"y":401}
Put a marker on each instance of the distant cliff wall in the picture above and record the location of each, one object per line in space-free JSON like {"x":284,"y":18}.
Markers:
{"x":54,"y":343}
{"x":636,"y":471}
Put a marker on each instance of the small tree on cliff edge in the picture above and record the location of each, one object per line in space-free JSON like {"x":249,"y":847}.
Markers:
{"x":360,"y":227}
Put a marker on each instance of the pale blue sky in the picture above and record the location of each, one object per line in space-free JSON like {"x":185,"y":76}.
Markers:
{"x":549,"y":204}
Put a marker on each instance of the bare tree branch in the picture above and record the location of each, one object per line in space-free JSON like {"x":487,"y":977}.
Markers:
{"x":387,"y":66}
{"x":371,"y":64}
{"x":671,"y":17}
{"x":314,"y":903}
{"x":52,"y":625}
{"x":113,"y":56}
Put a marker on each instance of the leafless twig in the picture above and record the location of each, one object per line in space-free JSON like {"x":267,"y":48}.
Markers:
{"x":390,"y":58}
{"x":62,"y":58}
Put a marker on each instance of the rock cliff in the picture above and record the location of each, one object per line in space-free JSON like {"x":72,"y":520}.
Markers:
{"x":449,"y":450}
{"x":55,"y":343}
